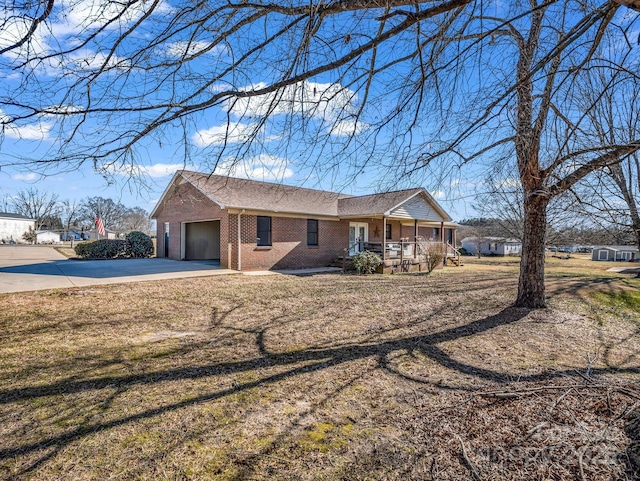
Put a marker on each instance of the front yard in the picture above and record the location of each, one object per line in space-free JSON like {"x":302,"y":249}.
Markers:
{"x":333,"y":377}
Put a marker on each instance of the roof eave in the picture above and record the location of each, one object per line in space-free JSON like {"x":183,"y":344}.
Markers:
{"x":235,"y":209}
{"x":179,"y":173}
{"x":430,"y":200}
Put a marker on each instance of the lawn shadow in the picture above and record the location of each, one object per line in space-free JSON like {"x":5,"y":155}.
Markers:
{"x":294,"y":363}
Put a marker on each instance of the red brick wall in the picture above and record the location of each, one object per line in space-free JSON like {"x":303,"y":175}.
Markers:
{"x":289,"y":248}
{"x":186,"y":204}
{"x":289,"y":235}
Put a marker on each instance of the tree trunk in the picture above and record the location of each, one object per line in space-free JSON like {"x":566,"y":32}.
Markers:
{"x":531,"y":282}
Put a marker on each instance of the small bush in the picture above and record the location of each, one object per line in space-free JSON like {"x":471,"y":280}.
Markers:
{"x":30,"y":236}
{"x":102,"y":249}
{"x":139,"y":244}
{"x":366,"y":262}
{"x":82,"y":249}
{"x":434,"y":256}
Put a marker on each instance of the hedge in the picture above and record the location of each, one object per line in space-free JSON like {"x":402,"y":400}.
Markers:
{"x":135,"y":244}
{"x":139,"y":244}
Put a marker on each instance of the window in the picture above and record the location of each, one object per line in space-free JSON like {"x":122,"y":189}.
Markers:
{"x":166,"y":239}
{"x":264,"y":231}
{"x":312,"y":232}
{"x":388,"y":235}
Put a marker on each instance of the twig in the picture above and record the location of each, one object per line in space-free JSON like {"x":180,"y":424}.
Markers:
{"x":523,"y":392}
{"x":586,"y":378}
{"x":580,"y":463}
{"x":474,"y":472}
{"x":533,"y":390}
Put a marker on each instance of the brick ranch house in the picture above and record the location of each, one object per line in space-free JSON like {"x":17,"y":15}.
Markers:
{"x":251,"y":225}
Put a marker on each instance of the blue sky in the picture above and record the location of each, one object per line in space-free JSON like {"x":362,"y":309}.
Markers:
{"x":157,"y":157}
{"x":303,"y":143}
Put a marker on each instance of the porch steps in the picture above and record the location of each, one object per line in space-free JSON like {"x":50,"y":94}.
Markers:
{"x":342,"y":261}
{"x":454,"y":261}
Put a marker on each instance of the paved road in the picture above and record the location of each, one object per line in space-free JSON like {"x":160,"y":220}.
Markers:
{"x":32,"y":268}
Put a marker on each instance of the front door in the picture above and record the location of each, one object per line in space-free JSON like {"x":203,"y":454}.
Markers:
{"x":358,"y":235}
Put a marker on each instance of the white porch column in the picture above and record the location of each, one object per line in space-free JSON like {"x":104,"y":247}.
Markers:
{"x":384,"y":238}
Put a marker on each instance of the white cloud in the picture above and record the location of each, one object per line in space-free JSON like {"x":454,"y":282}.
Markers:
{"x":28,"y":177}
{"x":73,"y":20}
{"x":345,"y":128}
{"x":155,"y":171}
{"x":33,"y":131}
{"x":185,"y":49}
{"x":81,"y":15}
{"x":61,"y":109}
{"x":437,"y":194}
{"x":262,"y":167}
{"x":14,"y":29}
{"x":233,"y":133}
{"x":88,"y":59}
{"x":330,"y":103}
{"x":162,"y":170}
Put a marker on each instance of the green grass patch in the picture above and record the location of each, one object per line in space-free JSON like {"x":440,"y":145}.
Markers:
{"x":627,"y":299}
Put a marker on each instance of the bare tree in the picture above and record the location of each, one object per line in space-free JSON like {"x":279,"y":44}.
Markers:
{"x":533,"y":117}
{"x":612,"y":196}
{"x":36,"y":205}
{"x":404,"y":88}
{"x":113,"y":213}
{"x":136,"y":219}
{"x":69,"y":212}
{"x":5,"y":203}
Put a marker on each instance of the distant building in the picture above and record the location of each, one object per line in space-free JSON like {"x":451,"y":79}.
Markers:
{"x":47,"y":237}
{"x":93,"y":234}
{"x":13,"y":227}
{"x":492,"y":246}
{"x":615,"y":253}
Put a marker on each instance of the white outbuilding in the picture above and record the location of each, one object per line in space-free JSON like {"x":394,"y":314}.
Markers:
{"x":47,"y":237}
{"x":492,"y":246}
{"x":13,"y":227}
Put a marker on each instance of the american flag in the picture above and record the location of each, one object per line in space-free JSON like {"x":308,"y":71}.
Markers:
{"x":100,"y":225}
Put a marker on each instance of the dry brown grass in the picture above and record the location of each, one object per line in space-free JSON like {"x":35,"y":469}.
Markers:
{"x":326,"y":377}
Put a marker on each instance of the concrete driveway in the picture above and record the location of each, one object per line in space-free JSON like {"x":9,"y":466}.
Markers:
{"x":32,"y":268}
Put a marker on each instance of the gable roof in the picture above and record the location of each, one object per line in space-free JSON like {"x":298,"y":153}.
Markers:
{"x":10,"y":215}
{"x":374,"y":203}
{"x":617,"y":248}
{"x":234,"y":193}
{"x":231,"y":192}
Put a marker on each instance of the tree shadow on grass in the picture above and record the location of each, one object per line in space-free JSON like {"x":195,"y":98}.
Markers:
{"x":299,"y":363}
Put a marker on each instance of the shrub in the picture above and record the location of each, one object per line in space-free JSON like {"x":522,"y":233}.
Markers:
{"x":30,"y":236}
{"x":82,"y":249}
{"x":366,"y":262}
{"x":102,"y":249}
{"x":434,"y":255}
{"x":139,"y":244}
{"x":136,"y":244}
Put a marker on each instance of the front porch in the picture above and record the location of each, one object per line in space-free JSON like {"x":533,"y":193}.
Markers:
{"x":405,"y":256}
{"x":409,"y":233}
{"x":405,"y":245}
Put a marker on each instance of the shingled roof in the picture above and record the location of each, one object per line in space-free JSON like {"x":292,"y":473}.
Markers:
{"x":11,"y":215}
{"x":234,"y":193}
{"x":230,"y":192}
{"x":374,"y":204}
